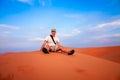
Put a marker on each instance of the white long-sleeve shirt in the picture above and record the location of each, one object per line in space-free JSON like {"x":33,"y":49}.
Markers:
{"x":50,"y":41}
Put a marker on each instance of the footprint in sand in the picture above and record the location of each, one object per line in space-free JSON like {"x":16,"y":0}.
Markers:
{"x":78,"y":70}
{"x":25,"y":69}
{"x":84,"y":74}
{"x":8,"y":77}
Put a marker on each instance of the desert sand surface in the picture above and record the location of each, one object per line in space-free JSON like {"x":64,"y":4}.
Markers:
{"x":83,"y":65}
{"x":110,"y":53}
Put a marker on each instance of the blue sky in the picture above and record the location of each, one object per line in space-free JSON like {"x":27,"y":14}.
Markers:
{"x":80,"y":23}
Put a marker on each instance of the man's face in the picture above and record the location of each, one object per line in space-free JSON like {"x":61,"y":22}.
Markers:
{"x":53,"y":33}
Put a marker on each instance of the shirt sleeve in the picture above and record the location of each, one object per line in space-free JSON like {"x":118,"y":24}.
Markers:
{"x":58,"y":40}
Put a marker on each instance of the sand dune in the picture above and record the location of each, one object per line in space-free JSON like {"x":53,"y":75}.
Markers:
{"x":55,"y":66}
{"x":111,"y":53}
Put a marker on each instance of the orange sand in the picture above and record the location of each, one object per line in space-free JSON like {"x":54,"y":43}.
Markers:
{"x":110,"y":53}
{"x":55,"y":66}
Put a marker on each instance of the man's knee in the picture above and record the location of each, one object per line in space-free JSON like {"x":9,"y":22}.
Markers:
{"x":60,"y":47}
{"x":47,"y":47}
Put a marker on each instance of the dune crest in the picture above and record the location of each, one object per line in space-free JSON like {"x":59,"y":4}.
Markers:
{"x":111,"y":53}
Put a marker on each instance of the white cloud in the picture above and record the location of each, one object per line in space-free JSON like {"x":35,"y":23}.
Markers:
{"x":42,"y":2}
{"x":6,"y":32}
{"x":114,"y":24}
{"x":26,"y":1}
{"x":45,"y":2}
{"x":77,"y":18}
{"x":36,"y":39}
{"x":65,"y":35}
{"x":107,"y":38}
{"x":73,"y":15}
{"x":5,"y":26}
{"x":116,"y":35}
{"x":76,"y":31}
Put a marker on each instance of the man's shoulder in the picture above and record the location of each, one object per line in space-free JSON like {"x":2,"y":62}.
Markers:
{"x":56,"y":36}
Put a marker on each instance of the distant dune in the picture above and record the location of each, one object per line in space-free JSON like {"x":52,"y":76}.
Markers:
{"x":86,"y":64}
{"x":110,"y":53}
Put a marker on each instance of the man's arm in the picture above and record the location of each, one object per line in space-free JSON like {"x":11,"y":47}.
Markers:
{"x":44,"y":43}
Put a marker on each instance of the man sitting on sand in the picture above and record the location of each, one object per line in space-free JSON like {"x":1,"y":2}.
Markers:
{"x":52,"y":44}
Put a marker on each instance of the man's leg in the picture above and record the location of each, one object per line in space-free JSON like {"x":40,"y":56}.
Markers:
{"x":63,"y":50}
{"x":46,"y":49}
